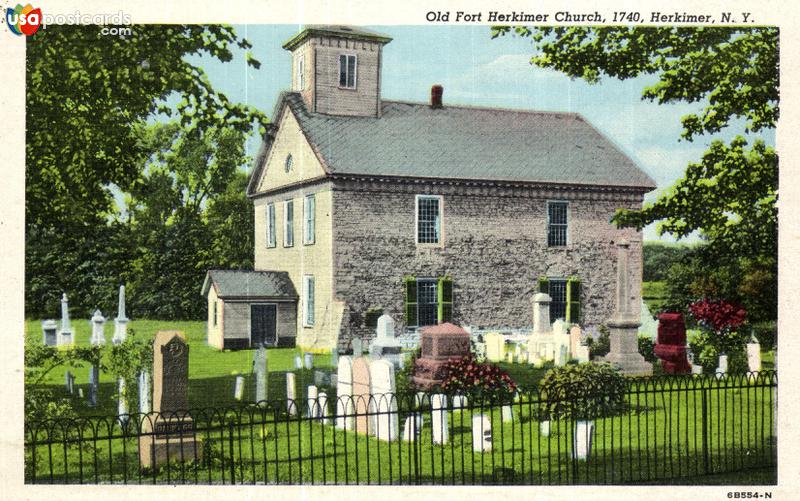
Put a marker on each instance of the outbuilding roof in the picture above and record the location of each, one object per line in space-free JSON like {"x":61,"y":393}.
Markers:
{"x":249,"y":284}
{"x":465,"y":142}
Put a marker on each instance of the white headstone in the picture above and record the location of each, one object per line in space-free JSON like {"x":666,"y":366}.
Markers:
{"x":560,"y":328}
{"x":754,"y":357}
{"x":260,"y":370}
{"x":481,"y":433}
{"x":308,"y":360}
{"x":582,"y":353}
{"x":98,"y":329}
{"x":69,"y":382}
{"x":238,"y":388}
{"x":439,"y":421}
{"x":358,"y":349}
{"x":322,"y":402}
{"x":344,"y":392}
{"x":508,"y":413}
{"x":65,"y":336}
{"x":383,"y":393}
{"x":312,"y":395}
{"x":121,"y":322}
{"x":49,"y":333}
{"x":697,"y":369}
{"x":144,"y":392}
{"x":80,"y":393}
{"x":386,"y":326}
{"x":480,"y":351}
{"x":561,"y":355}
{"x":518,"y":353}
{"x":122,"y":401}
{"x":544,"y":428}
{"x":459,"y":401}
{"x":298,"y":362}
{"x":541,"y":313}
{"x":722,"y":366}
{"x":291,"y":394}
{"x":412,"y":427}
{"x":582,"y":440}
{"x":495,"y":346}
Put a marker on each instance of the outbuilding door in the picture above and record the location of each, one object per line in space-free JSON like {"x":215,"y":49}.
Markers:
{"x":263,"y":320}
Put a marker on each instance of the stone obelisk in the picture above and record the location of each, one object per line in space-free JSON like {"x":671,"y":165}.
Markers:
{"x":624,"y":325}
{"x":121,"y":322}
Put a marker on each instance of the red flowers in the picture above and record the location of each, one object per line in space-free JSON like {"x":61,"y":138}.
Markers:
{"x":718,"y":315}
{"x":470,"y":377}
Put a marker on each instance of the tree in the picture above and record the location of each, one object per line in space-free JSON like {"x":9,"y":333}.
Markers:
{"x":730,"y":195}
{"x":88,"y":97}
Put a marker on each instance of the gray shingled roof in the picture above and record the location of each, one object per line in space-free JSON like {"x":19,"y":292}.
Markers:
{"x":337,"y":31}
{"x":461,"y":142}
{"x":241,"y":283}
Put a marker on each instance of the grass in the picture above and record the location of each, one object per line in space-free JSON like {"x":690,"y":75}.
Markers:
{"x":658,"y":439}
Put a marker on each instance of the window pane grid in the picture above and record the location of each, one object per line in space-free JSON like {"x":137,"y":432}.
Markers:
{"x":288,"y":234}
{"x":557,"y":224}
{"x":428,"y":220}
{"x":270,"y":225}
{"x":347,"y":71}
{"x":558,"y":295}
{"x":309,"y":213}
{"x":309,"y":309}
{"x":427,"y":301}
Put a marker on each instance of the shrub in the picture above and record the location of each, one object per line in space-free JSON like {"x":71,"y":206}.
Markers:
{"x":721,"y":332}
{"x":646,"y":346}
{"x":403,"y":383}
{"x":582,"y":391}
{"x":476,"y":380}
{"x":602,"y":345}
{"x":766,"y":333}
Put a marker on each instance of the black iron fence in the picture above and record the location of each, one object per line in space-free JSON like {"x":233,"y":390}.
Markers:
{"x":669,"y":427}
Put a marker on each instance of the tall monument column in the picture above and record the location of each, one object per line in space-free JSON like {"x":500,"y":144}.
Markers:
{"x":624,"y":325}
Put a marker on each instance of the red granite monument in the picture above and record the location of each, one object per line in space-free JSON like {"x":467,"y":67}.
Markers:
{"x":671,"y":344}
{"x":440,"y":344}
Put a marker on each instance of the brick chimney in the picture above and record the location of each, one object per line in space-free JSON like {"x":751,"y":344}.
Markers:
{"x":436,"y":96}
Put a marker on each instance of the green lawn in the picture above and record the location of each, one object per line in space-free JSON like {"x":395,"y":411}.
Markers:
{"x":660,"y":438}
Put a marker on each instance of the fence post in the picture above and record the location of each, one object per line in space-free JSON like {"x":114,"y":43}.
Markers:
{"x":705,"y":432}
{"x":230,"y":443}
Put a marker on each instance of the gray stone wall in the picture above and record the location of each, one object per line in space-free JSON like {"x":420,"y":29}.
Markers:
{"x":495,"y":248}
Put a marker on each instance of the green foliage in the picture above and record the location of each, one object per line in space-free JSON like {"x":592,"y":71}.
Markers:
{"x":128,"y":358}
{"x":88,"y":102}
{"x":601,"y":346}
{"x":404,"y":386}
{"x":657,"y":258}
{"x":646,"y":346}
{"x":766,"y":333}
{"x":582,"y":391}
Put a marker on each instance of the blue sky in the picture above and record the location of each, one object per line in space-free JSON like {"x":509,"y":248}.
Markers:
{"x":476,"y":70}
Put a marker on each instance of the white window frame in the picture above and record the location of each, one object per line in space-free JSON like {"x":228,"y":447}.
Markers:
{"x":288,"y":225}
{"x":309,"y":292}
{"x":215,"y":313}
{"x":547,"y":230}
{"x":355,"y":71}
{"x":440,"y":228}
{"x":309,"y":219}
{"x":301,"y":67}
{"x":270,"y":235}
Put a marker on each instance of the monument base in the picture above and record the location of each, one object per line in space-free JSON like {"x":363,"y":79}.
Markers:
{"x":631,"y":364}
{"x":624,"y":352}
{"x":172,"y":442}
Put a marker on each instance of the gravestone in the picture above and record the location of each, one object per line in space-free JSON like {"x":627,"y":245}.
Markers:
{"x":459,"y":401}
{"x":65,"y":334}
{"x":574,"y":340}
{"x":322,"y":378}
{"x":412,"y":428}
{"x":561,"y":356}
{"x":722,"y":366}
{"x":670,"y":346}
{"x":582,"y":439}
{"x":544,"y":428}
{"x":171,"y":436}
{"x":122,"y":401}
{"x":312,"y":406}
{"x":541,"y":341}
{"x":335,"y":356}
{"x":439,"y":421}
{"x":322,"y":402}
{"x":440,"y":345}
{"x":98,"y":329}
{"x":238,"y":388}
{"x":480,"y":350}
{"x":49,"y":333}
{"x":358,"y":348}
{"x":649,"y":324}
{"x":68,"y":382}
{"x":308,"y":360}
{"x":291,"y":395}
{"x":344,"y":392}
{"x":510,"y":357}
{"x":298,"y":362}
{"x":80,"y":393}
{"x":582,"y":353}
{"x":385,"y":344}
{"x":362,"y":386}
{"x":144,"y":392}
{"x":381,"y":374}
{"x":518,"y":353}
{"x":495,"y":346}
{"x":624,"y":324}
{"x":697,"y":369}
{"x":507,"y":413}
{"x":754,"y":356}
{"x":94,"y":383}
{"x":481,"y":433}
{"x":260,"y":369}
{"x":121,"y":322}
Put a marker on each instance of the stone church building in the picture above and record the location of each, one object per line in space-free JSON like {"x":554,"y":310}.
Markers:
{"x":428,"y":212}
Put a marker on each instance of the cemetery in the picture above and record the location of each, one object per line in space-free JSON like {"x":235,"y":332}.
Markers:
{"x":465,"y":407}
